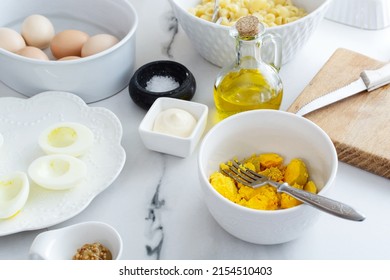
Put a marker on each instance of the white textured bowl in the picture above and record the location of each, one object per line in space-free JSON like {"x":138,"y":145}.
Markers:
{"x":92,"y":78}
{"x":168,"y":144}
{"x":263,"y":131}
{"x":213,"y":42}
{"x":365,"y":14}
{"x":62,"y":243}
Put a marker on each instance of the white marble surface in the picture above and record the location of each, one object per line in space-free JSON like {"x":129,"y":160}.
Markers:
{"x":156,"y":202}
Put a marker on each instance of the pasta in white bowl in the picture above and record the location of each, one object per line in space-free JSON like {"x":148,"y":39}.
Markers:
{"x":269,"y":12}
{"x":213,"y":42}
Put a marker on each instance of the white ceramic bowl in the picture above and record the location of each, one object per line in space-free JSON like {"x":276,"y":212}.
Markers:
{"x":213,"y":42}
{"x":168,"y":144}
{"x":365,"y":14}
{"x":62,"y":243}
{"x":264,"y":131}
{"x":92,"y":78}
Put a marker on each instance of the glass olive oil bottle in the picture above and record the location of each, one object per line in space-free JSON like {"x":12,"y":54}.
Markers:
{"x":249,"y":83}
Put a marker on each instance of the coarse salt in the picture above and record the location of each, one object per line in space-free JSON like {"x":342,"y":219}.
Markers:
{"x":161,"y":84}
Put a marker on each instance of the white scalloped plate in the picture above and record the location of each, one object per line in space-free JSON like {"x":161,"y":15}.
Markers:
{"x":21,"y":122}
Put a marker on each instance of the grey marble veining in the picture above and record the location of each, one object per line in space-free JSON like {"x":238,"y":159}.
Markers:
{"x":155,"y":227}
{"x":173,"y":29}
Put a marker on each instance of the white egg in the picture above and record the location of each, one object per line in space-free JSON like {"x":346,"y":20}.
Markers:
{"x":14,"y":191}
{"x":98,"y":43}
{"x":67,"y":138}
{"x":57,"y":172}
{"x":37,"y":31}
{"x":11,"y":40}
{"x":32,"y":52}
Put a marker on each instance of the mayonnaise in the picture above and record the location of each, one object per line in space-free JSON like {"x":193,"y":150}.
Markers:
{"x":175,"y":122}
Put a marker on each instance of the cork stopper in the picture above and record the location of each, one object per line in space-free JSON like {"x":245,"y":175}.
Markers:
{"x":248,"y":26}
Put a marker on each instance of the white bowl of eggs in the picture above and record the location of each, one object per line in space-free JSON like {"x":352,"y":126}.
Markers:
{"x":86,"y":47}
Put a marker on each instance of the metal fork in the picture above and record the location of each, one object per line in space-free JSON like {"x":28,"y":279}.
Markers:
{"x":252,"y":179}
{"x":214,"y":17}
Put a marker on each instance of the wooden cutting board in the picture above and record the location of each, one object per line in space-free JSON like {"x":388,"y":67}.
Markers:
{"x":359,"y":126}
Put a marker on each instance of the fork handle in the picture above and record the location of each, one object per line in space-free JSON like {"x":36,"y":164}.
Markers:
{"x":323,"y":203}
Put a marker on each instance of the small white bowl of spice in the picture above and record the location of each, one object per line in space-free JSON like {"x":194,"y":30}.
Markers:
{"x":173,"y":126}
{"x":83,"y":241}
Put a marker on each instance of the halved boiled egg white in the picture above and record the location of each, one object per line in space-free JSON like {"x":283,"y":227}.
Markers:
{"x":68,"y":138}
{"x":57,"y":172}
{"x":14,"y":191}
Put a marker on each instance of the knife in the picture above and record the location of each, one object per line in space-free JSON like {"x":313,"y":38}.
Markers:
{"x":368,"y":81}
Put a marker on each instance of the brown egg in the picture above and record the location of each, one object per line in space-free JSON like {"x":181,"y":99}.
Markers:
{"x":11,"y":40}
{"x":72,"y":57}
{"x":33,"y":52}
{"x":98,"y":43}
{"x":68,"y":43}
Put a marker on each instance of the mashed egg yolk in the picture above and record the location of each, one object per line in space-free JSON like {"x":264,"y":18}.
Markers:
{"x":265,"y":198}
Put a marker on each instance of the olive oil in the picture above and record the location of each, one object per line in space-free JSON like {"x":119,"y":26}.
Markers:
{"x":245,"y":90}
{"x":250,"y":83}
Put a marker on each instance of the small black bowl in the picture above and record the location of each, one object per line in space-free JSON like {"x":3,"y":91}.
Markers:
{"x":163,"y":68}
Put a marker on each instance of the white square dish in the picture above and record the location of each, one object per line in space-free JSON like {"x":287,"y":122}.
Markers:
{"x":169,"y":144}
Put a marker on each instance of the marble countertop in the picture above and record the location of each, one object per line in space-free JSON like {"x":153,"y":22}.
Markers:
{"x":156,"y":202}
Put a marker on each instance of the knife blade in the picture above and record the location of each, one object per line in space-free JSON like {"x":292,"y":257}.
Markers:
{"x":368,"y":81}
